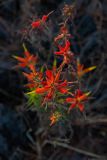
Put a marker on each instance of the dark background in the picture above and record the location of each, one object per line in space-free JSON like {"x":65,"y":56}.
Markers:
{"x":23,"y":134}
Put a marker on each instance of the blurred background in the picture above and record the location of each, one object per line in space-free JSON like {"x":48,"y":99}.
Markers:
{"x":23,"y":135}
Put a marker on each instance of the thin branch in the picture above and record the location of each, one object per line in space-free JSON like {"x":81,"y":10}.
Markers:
{"x":80,"y":151}
{"x":90,"y":121}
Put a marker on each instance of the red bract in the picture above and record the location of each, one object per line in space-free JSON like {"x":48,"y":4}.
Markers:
{"x":65,"y":52}
{"x":31,"y":79}
{"x":34,"y":78}
{"x":30,"y":76}
{"x":36,"y":24}
{"x":52,"y":85}
{"x":78,"y":100}
{"x":39,"y":22}
{"x":28,"y":61}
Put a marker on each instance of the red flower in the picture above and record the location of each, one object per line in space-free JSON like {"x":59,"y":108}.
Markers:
{"x":34,"y":80}
{"x":78,"y":100}
{"x":55,"y":117}
{"x":28,"y":61}
{"x":65,"y":52}
{"x":52,"y":84}
{"x":39,"y":22}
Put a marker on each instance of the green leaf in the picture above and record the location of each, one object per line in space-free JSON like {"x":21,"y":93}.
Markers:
{"x":34,"y":99}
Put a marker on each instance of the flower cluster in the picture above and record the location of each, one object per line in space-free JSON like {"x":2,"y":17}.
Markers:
{"x":52,"y":87}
